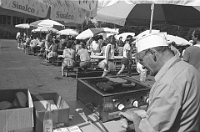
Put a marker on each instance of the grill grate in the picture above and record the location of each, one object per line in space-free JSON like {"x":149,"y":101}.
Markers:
{"x":118,"y":88}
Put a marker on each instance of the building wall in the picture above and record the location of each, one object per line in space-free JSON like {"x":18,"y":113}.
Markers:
{"x":8,"y":20}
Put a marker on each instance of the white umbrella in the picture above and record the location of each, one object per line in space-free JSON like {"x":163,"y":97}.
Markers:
{"x":124,"y":35}
{"x":94,"y":31}
{"x":45,"y":29}
{"x":24,"y":26}
{"x":110,"y":30}
{"x":177,"y":40}
{"x":46,"y":23}
{"x":144,"y":14}
{"x":176,"y":2}
{"x":68,"y":32}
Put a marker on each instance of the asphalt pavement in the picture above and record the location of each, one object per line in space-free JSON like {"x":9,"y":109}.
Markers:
{"x":21,"y":71}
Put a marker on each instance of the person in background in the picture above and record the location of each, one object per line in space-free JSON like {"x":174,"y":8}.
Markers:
{"x":192,"y":53}
{"x":120,"y":42}
{"x":27,"y":45}
{"x":84,"y":56}
{"x":100,"y":41}
{"x":133,"y":48}
{"x":33,"y":44}
{"x":18,"y":38}
{"x":69,"y":58}
{"x":108,"y":63}
{"x":95,"y":47}
{"x":53,"y":51}
{"x":41,"y":46}
{"x":48,"y":42}
{"x":77,"y":45}
{"x":120,"y":46}
{"x":61,"y":44}
{"x":174,"y":101}
{"x":183,"y":50}
{"x":104,"y":43}
{"x":24,"y":36}
{"x":172,"y":46}
{"x":89,"y":42}
{"x":127,"y":56}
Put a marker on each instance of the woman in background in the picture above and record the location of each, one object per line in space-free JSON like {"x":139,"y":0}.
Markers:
{"x":53,"y":51}
{"x":69,"y":58}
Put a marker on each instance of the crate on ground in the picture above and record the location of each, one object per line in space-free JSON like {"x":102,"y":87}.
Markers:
{"x":60,"y":109}
{"x":16,"y":118}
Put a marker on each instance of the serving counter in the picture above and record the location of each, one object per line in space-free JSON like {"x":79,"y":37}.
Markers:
{"x":77,"y":120}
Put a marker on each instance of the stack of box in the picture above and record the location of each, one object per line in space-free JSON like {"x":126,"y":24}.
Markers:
{"x":30,"y":117}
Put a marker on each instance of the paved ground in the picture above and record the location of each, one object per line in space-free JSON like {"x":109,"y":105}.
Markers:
{"x":20,"y":71}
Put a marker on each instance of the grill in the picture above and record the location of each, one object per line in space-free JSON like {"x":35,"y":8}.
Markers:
{"x":131,"y":94}
{"x":118,"y":88}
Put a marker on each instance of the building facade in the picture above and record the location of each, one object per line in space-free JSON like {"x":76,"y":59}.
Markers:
{"x":8,"y":20}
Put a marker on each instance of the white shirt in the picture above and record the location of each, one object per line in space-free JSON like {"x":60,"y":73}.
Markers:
{"x":126,"y":49}
{"x":94,"y":46}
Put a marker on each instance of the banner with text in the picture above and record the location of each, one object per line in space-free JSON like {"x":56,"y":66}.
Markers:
{"x":31,"y":7}
{"x":68,"y":14}
{"x":68,"y":11}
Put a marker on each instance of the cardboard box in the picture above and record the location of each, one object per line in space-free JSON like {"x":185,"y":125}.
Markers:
{"x":41,"y":105}
{"x":59,"y":115}
{"x":16,"y":118}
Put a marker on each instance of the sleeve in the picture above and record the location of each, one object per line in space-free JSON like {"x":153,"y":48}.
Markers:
{"x":78,"y":52}
{"x":163,"y":109}
{"x":186,"y":55}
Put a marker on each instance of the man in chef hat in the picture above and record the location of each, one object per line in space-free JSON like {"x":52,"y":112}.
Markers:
{"x":174,"y":99}
{"x":139,"y":67}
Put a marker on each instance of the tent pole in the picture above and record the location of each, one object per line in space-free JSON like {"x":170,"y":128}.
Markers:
{"x":152,"y":13}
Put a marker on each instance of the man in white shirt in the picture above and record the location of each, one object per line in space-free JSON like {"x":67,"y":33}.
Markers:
{"x":174,"y":101}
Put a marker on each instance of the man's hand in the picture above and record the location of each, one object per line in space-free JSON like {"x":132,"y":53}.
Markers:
{"x":130,"y":115}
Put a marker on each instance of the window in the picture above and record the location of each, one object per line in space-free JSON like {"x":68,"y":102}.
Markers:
{"x":1,"y":19}
{"x":5,"y":19}
{"x":18,"y":20}
{"x":30,"y":20}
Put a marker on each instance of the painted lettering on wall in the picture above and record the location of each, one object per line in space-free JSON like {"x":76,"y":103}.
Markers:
{"x":64,"y":16}
{"x":22,"y":7}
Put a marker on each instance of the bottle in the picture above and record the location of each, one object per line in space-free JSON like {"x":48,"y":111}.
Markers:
{"x":143,"y":76}
{"x":48,"y":121}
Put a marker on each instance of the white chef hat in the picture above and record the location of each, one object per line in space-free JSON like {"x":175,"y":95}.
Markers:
{"x":151,"y":40}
